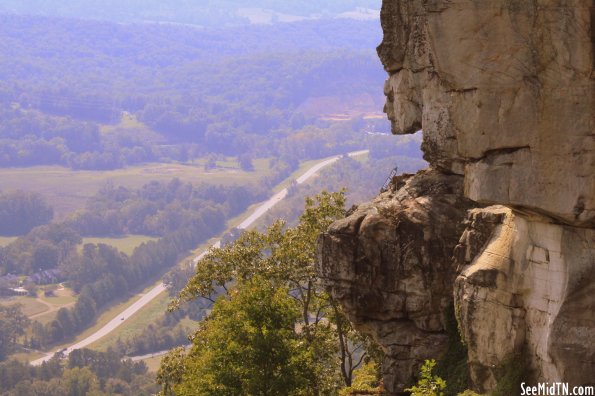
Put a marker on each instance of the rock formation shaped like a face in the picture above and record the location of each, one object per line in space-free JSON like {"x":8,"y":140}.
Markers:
{"x":505,"y":92}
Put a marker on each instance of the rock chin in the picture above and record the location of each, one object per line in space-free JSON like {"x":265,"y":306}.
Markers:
{"x":505,"y":95}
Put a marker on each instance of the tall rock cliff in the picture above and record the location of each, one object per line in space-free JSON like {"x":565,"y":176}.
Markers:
{"x":504,"y":91}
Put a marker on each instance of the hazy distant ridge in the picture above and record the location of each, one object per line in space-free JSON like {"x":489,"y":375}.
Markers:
{"x":196,"y":12}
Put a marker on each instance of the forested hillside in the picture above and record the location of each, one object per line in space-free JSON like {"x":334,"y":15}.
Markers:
{"x":65,"y":83}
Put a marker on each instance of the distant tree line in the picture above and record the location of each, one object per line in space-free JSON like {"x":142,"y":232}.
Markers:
{"x":160,"y":208}
{"x":21,"y":211}
{"x":85,"y":372}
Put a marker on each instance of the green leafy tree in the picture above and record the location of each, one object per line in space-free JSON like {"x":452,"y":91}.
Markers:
{"x":45,"y":256}
{"x":366,"y":381}
{"x":21,"y":211}
{"x":13,"y":324}
{"x":428,"y":384}
{"x":248,"y":346}
{"x":285,"y":257}
{"x":80,"y":381}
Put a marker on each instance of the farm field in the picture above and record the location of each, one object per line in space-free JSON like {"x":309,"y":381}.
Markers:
{"x":126,"y":244}
{"x":67,"y":190}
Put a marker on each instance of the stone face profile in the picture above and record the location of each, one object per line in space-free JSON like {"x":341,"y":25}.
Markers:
{"x":504,"y":91}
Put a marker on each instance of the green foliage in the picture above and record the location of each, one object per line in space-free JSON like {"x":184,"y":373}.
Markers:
{"x":285,"y":255}
{"x":428,"y":384}
{"x":249,"y":346}
{"x":12,"y":325}
{"x":84,"y":373}
{"x":452,"y":366}
{"x":366,"y":381}
{"x":510,"y":374}
{"x":184,"y":214}
{"x":79,"y":381}
{"x":21,"y":211}
{"x":181,"y":89}
{"x":319,"y":342}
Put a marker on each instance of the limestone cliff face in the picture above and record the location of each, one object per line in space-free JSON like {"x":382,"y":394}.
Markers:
{"x":505,"y":94}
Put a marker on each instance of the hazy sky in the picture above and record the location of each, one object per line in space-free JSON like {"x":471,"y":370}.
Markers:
{"x":198,"y":12}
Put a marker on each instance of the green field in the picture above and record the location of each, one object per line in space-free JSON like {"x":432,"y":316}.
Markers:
{"x":62,"y":296}
{"x":153,"y":363}
{"x":42,"y":308}
{"x":67,"y":190}
{"x":29,"y":305}
{"x":125,"y":244}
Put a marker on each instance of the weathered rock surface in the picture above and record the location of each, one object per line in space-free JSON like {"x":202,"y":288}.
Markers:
{"x":389,"y":264}
{"x":504,"y":91}
{"x":526,"y":282}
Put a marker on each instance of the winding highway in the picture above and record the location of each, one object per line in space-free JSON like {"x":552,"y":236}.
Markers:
{"x":146,"y":298}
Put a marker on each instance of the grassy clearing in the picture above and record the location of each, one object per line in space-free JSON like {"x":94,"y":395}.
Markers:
{"x":67,"y":190}
{"x":128,"y":121}
{"x":62,"y":296}
{"x":125,"y":244}
{"x":153,"y":363}
{"x":43,"y":308}
{"x":29,"y":305}
{"x":5,"y":241}
{"x":362,"y":158}
{"x":261,"y":165}
{"x":26,"y":357}
{"x":46,"y":317}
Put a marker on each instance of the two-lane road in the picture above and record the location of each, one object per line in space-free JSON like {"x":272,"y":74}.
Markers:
{"x":158,"y":289}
